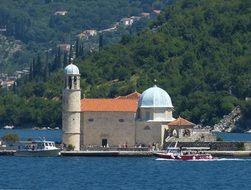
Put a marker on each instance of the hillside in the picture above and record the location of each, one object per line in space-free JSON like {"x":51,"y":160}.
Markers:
{"x":43,"y":24}
{"x":197,"y":50}
{"x":8,"y":47}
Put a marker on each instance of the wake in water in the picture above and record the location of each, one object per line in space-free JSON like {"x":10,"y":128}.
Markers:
{"x":233,"y":159}
{"x":217,"y":159}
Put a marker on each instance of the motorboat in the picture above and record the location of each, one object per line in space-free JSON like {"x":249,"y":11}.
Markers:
{"x":37,"y":148}
{"x":185,"y":153}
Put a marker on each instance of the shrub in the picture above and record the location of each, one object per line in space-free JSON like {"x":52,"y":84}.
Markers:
{"x":70,"y":147}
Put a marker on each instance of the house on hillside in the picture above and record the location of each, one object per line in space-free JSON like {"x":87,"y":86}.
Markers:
{"x":87,"y":33}
{"x":64,"y":47}
{"x":60,"y":13}
{"x":128,"y":21}
{"x":113,"y":28}
{"x":144,"y":14}
{"x":156,"y":12}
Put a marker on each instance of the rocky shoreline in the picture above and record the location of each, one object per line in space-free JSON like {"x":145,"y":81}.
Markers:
{"x":228,"y":122}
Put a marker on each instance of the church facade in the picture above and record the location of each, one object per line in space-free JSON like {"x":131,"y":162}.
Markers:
{"x":126,"y":120}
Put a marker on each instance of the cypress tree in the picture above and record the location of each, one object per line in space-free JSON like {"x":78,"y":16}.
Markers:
{"x":77,"y":48}
{"x":31,"y":73}
{"x":100,"y":41}
{"x":59,"y":64}
{"x":70,"y":55}
{"x":38,"y":67}
{"x":65,"y":58}
{"x":81,"y":50}
{"x":46,"y":71}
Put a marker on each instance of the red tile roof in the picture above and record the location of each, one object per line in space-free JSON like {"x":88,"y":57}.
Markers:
{"x":109,"y":105}
{"x":135,"y":95}
{"x":181,"y":122}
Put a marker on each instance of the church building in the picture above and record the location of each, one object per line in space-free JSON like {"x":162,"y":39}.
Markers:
{"x":126,"y":120}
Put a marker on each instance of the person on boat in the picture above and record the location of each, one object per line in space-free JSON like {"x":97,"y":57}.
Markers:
{"x":181,"y":152}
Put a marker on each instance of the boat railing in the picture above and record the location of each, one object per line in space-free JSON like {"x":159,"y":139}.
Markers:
{"x":195,"y":148}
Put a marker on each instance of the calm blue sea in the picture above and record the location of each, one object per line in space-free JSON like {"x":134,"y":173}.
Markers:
{"x":119,"y":173}
{"x":56,"y":135}
{"x":123,"y":173}
{"x":24,"y":134}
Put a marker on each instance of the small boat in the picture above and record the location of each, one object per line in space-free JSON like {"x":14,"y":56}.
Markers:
{"x":8,"y":127}
{"x":185,"y":153}
{"x":37,"y":148}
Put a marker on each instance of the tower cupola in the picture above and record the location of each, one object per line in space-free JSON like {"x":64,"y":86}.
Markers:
{"x":72,"y":77}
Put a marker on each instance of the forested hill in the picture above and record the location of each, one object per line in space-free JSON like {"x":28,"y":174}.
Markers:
{"x":42,"y":24}
{"x":199,"y":51}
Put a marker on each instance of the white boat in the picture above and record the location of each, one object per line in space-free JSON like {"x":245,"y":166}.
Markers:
{"x":37,"y":148}
{"x":8,"y":127}
{"x":192,"y":153}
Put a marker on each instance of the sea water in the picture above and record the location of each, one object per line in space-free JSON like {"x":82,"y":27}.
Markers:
{"x":24,"y":134}
{"x":56,"y":135}
{"x":123,"y":173}
{"x":119,"y":172}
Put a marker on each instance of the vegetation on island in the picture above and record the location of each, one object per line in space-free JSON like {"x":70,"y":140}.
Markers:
{"x":10,"y":138}
{"x":197,"y":50}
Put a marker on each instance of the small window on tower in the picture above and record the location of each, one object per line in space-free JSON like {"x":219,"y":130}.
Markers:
{"x":90,"y":119}
{"x":121,"y":120}
{"x":70,"y":82}
{"x":75,"y":82}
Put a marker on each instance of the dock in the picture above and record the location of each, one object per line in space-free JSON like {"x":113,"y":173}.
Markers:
{"x":230,"y":153}
{"x":7,"y":152}
{"x":132,"y":153}
{"x":108,"y":153}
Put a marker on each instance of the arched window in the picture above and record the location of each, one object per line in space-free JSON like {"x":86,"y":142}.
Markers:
{"x":147,"y":128}
{"x":75,"y":82}
{"x":121,"y":120}
{"x":186,"y":133}
{"x":70,"y":82}
{"x":90,"y":119}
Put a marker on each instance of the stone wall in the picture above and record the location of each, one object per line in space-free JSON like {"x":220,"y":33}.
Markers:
{"x":149,"y":132}
{"x":118,"y":128}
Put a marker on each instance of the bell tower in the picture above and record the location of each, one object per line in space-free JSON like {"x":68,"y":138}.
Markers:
{"x":71,"y":107}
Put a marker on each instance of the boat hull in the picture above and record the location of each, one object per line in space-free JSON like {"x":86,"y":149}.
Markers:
{"x":38,"y":153}
{"x":185,"y":157}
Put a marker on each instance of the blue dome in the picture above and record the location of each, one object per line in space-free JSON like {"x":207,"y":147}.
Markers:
{"x":155,"y":97}
{"x":71,"y":70}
